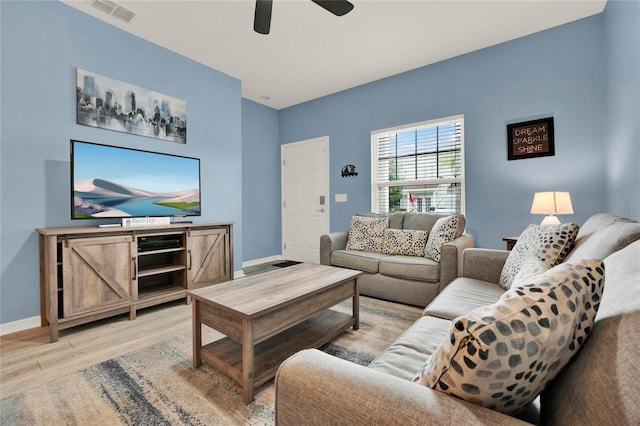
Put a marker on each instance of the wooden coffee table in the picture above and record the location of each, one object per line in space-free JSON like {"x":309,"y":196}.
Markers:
{"x":269,"y":317}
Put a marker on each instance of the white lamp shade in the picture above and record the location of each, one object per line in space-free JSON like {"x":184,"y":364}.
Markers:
{"x":551,"y":203}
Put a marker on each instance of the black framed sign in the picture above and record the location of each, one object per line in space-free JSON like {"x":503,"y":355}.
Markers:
{"x":530,"y":139}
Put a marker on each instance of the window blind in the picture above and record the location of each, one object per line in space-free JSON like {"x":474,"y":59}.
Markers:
{"x":419,"y":167}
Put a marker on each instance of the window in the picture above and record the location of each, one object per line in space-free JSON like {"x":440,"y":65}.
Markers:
{"x":419,"y":167}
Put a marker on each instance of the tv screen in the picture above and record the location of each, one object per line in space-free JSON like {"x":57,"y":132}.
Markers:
{"x":115,"y":182}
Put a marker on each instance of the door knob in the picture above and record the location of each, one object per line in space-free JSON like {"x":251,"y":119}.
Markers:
{"x":320,"y":210}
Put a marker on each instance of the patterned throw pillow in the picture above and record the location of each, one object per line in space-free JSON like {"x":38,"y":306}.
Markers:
{"x":367,"y":233}
{"x":530,"y":270}
{"x":443,"y":231}
{"x":551,"y":244}
{"x":407,"y":242}
{"x":503,"y":355}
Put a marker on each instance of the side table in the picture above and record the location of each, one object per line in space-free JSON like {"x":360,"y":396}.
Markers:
{"x":511,"y":241}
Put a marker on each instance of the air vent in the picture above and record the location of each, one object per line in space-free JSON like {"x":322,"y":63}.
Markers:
{"x":114,"y":10}
{"x":105,"y":6}
{"x":125,"y":14}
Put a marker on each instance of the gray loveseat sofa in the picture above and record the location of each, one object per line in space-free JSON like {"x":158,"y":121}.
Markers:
{"x":413,"y":280}
{"x":598,"y":386}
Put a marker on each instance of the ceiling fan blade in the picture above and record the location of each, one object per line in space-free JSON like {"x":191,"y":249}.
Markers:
{"x":262,"y":17}
{"x":337,"y":7}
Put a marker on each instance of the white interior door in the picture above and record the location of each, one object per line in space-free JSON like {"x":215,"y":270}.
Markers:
{"x":305,"y":198}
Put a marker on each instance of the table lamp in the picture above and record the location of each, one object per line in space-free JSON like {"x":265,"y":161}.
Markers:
{"x":551,"y":203}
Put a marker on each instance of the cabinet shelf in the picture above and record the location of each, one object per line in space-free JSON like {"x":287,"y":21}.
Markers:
{"x":162,"y":251}
{"x":160,"y":292}
{"x":160,"y":270}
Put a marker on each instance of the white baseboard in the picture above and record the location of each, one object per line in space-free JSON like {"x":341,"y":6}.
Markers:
{"x":20,"y":325}
{"x":260,"y":261}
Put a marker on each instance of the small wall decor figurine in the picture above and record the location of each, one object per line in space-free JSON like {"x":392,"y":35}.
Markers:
{"x":349,"y":170}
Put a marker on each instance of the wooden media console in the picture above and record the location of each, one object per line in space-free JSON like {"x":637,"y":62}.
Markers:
{"x":90,"y":273}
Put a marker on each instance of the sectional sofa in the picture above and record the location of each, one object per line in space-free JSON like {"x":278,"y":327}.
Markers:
{"x":478,"y":328}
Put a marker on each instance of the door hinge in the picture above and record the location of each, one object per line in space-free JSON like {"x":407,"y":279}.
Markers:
{"x":284,"y":162}
{"x":284,"y":204}
{"x":284,"y":246}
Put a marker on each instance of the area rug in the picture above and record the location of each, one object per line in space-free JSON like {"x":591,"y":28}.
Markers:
{"x":157,"y":385}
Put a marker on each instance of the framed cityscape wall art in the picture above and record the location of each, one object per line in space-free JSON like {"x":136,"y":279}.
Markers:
{"x":115,"y":105}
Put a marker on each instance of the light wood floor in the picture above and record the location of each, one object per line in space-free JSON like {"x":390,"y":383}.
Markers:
{"x":27,"y":359}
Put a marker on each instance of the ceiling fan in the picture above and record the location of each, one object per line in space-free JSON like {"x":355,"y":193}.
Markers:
{"x":262,"y":17}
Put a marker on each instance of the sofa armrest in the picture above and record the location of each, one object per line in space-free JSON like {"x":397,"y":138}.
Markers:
{"x":330,"y":242}
{"x":314,"y":388}
{"x":451,"y":258}
{"x":483,"y":264}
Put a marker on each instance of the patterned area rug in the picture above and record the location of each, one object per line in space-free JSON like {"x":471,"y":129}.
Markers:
{"x":158,"y":385}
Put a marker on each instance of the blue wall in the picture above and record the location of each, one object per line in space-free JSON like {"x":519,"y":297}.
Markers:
{"x":586,"y":74}
{"x":622,"y":136}
{"x":262,"y":225}
{"x":42,"y":44}
{"x":558,"y":72}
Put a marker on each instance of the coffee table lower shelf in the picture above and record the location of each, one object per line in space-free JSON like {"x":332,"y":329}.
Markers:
{"x":226,"y":354}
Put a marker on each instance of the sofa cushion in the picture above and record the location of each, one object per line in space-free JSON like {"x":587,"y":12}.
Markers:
{"x":444,"y":231}
{"x":395,"y":219}
{"x":597,"y":222}
{"x":462,"y":296}
{"x":607,"y":369}
{"x":410,"y":267}
{"x":422,"y":221}
{"x":364,"y":261}
{"x":408,"y":353}
{"x":613,"y":233}
{"x":367,"y":233}
{"x":407,"y":242}
{"x":502,"y":356}
{"x":548,"y":243}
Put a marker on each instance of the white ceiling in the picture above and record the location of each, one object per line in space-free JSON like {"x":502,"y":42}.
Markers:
{"x":311,"y":53}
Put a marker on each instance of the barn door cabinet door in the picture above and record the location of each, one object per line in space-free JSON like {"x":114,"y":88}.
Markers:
{"x":99,"y":272}
{"x":209,"y":257}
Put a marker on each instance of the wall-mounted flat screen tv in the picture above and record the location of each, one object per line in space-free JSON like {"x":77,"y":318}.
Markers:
{"x":115,"y":182}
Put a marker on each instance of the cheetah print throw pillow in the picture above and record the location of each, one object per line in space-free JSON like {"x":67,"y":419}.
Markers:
{"x":443,"y":231}
{"x":407,"y":242}
{"x":503,"y":355}
{"x":551,"y":244}
{"x":367,"y":233}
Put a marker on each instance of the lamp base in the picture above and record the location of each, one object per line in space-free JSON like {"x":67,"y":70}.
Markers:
{"x":550,"y":220}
